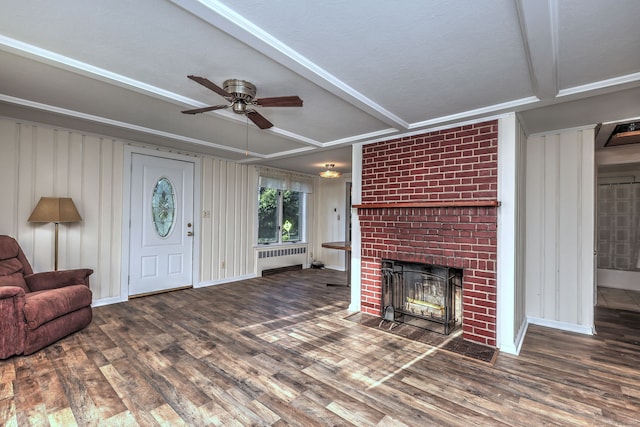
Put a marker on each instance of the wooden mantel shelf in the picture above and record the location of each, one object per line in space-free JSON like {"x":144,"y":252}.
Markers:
{"x":434,"y":204}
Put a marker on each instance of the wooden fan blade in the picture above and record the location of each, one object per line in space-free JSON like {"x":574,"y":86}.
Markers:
{"x":205,"y":109}
{"x":210,"y":85}
{"x":280,"y":101}
{"x":259,"y":119}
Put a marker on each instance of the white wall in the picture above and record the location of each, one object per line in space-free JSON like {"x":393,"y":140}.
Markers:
{"x":331,"y":217}
{"x":560,"y":205}
{"x":229,"y":196}
{"x":38,"y":160}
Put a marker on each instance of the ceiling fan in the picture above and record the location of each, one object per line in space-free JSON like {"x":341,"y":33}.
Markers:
{"x":241,"y":95}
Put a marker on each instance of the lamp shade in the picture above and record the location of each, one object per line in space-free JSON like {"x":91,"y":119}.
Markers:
{"x":55,"y":209}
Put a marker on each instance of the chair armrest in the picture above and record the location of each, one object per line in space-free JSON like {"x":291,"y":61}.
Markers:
{"x":10,"y":291}
{"x":12,"y":321}
{"x":58,"y":279}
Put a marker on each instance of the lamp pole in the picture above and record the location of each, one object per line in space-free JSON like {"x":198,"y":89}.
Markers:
{"x":55,"y":259}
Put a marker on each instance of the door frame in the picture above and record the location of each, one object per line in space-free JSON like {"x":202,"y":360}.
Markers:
{"x":129,"y":150}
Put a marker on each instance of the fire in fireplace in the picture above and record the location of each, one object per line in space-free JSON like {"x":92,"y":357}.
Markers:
{"x":423,"y":295}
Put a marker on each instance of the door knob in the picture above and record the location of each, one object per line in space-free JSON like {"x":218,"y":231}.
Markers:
{"x":189,"y":233}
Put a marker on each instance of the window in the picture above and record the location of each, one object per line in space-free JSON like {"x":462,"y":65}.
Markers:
{"x":280,"y":216}
{"x":163,"y":207}
{"x":281,"y":207}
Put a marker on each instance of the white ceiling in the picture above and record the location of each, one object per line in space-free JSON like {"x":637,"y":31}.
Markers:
{"x":366,"y":69}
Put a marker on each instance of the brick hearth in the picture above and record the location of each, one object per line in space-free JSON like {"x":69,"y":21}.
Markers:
{"x":431,"y":198}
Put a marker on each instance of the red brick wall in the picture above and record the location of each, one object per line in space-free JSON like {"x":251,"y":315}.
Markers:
{"x":457,"y":164}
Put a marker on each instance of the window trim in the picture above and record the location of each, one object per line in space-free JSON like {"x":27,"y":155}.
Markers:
{"x":282,"y":180}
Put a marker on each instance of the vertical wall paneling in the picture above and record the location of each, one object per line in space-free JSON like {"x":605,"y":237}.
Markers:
{"x":26,"y":191}
{"x":220,"y":240}
{"x":9,"y":142}
{"x":91,"y":200}
{"x":61,"y":179}
{"x":42,"y":175}
{"x":234,"y":212}
{"x":228,"y":197}
{"x":551,"y":233}
{"x":75,"y":156}
{"x":206,"y":250}
{"x":559,"y":232}
{"x":38,"y":161}
{"x":568,"y":286}
{"x":535,"y":208}
{"x":587,"y":243}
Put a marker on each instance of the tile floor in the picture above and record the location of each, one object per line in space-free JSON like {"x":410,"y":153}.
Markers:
{"x":621,"y":299}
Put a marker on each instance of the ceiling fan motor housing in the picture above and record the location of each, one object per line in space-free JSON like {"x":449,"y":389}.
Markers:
{"x":243,"y":93}
{"x":240,"y":89}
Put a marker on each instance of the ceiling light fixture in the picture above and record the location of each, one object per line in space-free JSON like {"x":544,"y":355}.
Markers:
{"x":330,"y":173}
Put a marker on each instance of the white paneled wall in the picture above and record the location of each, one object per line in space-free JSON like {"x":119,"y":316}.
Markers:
{"x":37,"y":161}
{"x":560,"y":229}
{"x":229,"y":203}
{"x":331,"y":224}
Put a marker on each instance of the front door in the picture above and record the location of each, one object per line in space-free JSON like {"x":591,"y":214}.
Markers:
{"x":161,"y":242}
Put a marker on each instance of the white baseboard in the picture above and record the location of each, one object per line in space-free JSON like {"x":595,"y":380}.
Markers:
{"x":108,"y":301}
{"x":118,"y":299}
{"x":569,"y":327}
{"x":225,"y":280}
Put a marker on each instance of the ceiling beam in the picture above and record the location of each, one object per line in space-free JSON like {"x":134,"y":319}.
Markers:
{"x":539,"y":28}
{"x":225,"y":19}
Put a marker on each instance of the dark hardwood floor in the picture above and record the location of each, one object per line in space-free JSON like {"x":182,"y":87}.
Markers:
{"x":279,"y":350}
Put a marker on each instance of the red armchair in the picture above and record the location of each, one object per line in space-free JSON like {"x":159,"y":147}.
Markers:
{"x":38,"y":309}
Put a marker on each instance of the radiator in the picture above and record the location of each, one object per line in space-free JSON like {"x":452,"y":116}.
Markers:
{"x":270,"y":253}
{"x":278,"y":257}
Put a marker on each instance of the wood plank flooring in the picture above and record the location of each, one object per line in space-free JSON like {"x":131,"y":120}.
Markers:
{"x":278,"y":351}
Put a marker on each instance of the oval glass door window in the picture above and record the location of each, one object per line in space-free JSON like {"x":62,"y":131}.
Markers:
{"x":163,"y":207}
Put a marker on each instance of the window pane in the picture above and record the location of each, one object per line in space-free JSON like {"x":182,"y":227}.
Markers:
{"x":163,"y":207}
{"x":291,"y":216}
{"x":268,"y":215}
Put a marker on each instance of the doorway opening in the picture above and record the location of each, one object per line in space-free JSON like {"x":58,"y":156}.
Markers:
{"x":617,"y":218}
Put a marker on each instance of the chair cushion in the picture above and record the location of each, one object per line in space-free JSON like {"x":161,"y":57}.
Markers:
{"x":15,"y":279}
{"x":43,"y":306}
{"x":10,"y":266}
{"x":9,"y":248}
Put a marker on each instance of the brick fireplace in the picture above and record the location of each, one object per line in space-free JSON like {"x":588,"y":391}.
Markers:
{"x":432,"y":199}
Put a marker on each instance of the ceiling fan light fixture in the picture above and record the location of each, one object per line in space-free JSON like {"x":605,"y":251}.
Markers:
{"x":330,"y":173}
{"x":239,"y":107}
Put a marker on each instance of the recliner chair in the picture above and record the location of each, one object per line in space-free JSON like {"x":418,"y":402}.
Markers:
{"x":38,"y":309}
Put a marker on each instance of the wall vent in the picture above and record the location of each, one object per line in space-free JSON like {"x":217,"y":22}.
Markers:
{"x":270,"y":253}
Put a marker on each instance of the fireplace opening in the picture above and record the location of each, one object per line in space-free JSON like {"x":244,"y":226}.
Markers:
{"x":423,"y":295}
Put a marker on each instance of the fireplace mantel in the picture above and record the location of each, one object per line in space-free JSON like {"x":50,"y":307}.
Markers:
{"x":432,"y":204}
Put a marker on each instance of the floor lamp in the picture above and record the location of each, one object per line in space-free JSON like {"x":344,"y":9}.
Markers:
{"x":56,"y":210}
